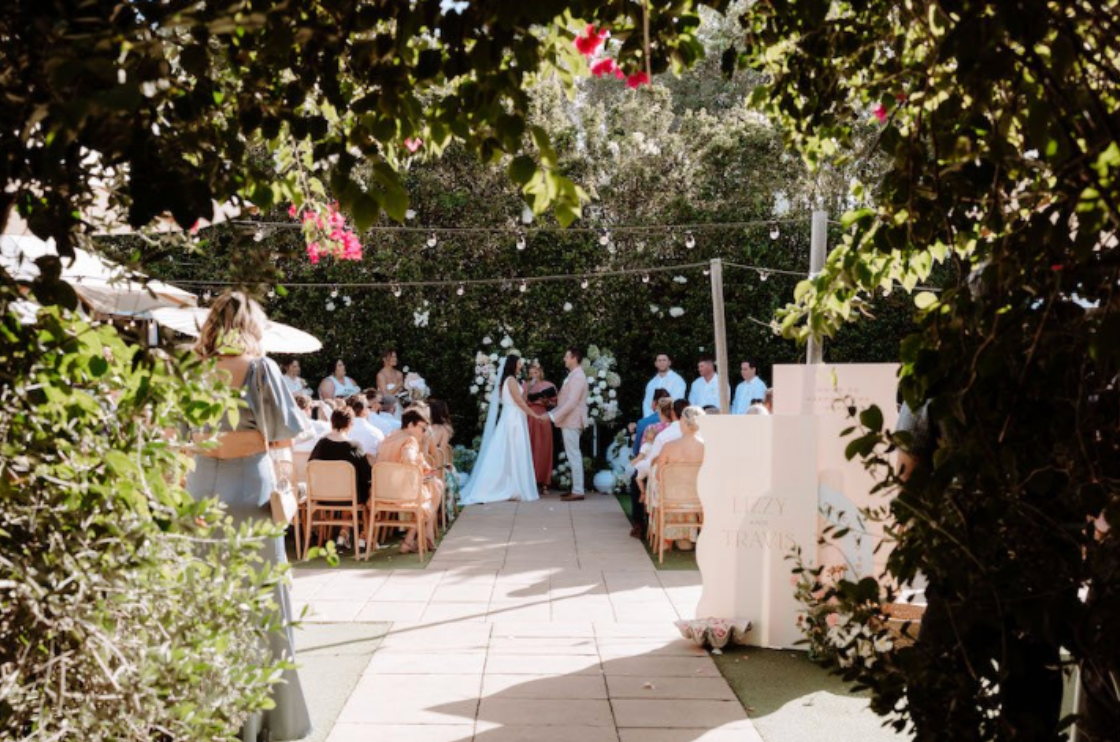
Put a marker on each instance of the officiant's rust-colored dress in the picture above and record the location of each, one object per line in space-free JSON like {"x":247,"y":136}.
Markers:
{"x":540,"y":432}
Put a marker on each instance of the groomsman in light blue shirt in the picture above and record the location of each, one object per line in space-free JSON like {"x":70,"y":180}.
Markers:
{"x":667,"y":379}
{"x":749,"y":389}
{"x":705,"y":389}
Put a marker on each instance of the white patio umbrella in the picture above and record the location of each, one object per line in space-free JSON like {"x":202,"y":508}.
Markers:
{"x":278,"y":337}
{"x":104,"y":286}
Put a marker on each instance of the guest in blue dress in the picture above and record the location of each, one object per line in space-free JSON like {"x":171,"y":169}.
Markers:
{"x":238,"y":473}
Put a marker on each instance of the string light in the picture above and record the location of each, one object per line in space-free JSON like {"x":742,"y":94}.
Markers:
{"x":604,"y":237}
{"x":461,"y":290}
{"x":584,"y":283}
{"x":520,"y":239}
{"x":432,"y":240}
{"x":774,"y":231}
{"x":272,"y":293}
{"x":689,"y":241}
{"x":645,"y":278}
{"x":706,"y":271}
{"x":524,"y":287}
{"x":206,"y":296}
{"x":259,"y":235}
{"x":334,"y":293}
{"x":397,"y":290}
{"x":764,"y":275}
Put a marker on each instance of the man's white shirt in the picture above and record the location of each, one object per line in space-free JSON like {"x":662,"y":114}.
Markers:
{"x":671,"y":382}
{"x":384,"y":422}
{"x":745,"y":393}
{"x":366,"y":435}
{"x":705,"y":393}
{"x":671,"y":433}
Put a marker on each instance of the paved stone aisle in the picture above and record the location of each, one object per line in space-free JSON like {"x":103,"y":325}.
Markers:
{"x":540,"y":622}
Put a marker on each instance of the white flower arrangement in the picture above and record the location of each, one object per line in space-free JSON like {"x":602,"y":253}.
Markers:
{"x":676,"y":312}
{"x":420,"y":316}
{"x":599,"y":366}
{"x":487,"y":366}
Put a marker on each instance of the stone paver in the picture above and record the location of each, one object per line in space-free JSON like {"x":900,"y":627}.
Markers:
{"x":541,"y":621}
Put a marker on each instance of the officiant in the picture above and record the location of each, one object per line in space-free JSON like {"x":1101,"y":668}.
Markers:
{"x":540,"y":394}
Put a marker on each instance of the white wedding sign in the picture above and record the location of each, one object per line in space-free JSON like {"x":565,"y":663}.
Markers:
{"x":825,"y":391}
{"x":758,"y":487}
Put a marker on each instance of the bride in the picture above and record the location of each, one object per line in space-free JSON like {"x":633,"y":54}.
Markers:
{"x":504,"y":469}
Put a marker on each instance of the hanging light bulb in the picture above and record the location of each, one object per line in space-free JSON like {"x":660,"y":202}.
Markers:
{"x":524,"y":287}
{"x":432,"y":239}
{"x":706,"y":271}
{"x":347,"y":300}
{"x":460,"y":290}
{"x":259,"y":235}
{"x":764,"y":275}
{"x":604,"y":237}
{"x":206,"y":295}
{"x":334,"y":293}
{"x":272,"y":293}
{"x":397,"y":290}
{"x":584,"y":283}
{"x":689,"y":241}
{"x":645,"y":278}
{"x":774,"y":232}
{"x":520,"y":240}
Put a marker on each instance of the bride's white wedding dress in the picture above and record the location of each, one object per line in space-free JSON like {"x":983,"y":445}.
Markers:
{"x":504,"y":469}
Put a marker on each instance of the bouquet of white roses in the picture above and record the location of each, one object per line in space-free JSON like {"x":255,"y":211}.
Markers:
{"x":603,"y":383}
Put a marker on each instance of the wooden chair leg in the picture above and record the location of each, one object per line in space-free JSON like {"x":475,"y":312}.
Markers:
{"x":421,"y":533}
{"x":296,"y":525}
{"x":356,"y":529}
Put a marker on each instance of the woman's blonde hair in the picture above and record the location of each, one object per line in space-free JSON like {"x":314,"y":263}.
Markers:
{"x":535,"y":363}
{"x":236,"y":322}
{"x":690,"y":418}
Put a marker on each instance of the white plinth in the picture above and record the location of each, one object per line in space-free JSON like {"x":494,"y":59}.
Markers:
{"x":758,"y":486}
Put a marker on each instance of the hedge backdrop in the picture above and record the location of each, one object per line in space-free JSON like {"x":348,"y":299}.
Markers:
{"x":660,"y":155}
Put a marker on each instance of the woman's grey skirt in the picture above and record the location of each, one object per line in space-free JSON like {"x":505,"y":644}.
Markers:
{"x":244,"y":486}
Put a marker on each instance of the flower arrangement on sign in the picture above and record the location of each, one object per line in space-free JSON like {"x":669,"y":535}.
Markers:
{"x":487,"y":366}
{"x":850,"y":627}
{"x":326,"y":232}
{"x":603,"y":383}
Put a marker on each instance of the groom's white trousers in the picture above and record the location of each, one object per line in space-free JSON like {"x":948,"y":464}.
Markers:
{"x":575,"y":457}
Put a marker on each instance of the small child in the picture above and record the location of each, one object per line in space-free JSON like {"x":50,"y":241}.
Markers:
{"x":641,"y":461}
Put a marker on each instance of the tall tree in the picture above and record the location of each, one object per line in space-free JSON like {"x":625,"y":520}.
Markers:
{"x":999,"y":123}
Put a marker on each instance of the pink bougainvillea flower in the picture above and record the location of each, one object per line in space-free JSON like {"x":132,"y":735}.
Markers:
{"x":880,"y":113}
{"x":589,"y":41}
{"x":619,"y":73}
{"x":605,"y":66}
{"x":900,"y":97}
{"x":293,"y":211}
{"x":637,"y":79}
{"x":413,"y":144}
{"x":1056,"y":267}
{"x":313,"y":253}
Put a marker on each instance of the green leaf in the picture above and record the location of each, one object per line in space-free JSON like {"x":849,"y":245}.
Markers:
{"x":872,"y":418}
{"x":522,"y":169}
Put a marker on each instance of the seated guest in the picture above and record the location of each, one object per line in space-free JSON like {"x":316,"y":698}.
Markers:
{"x":373,"y":399}
{"x":760,"y":406}
{"x":337,"y":385}
{"x":337,"y":446}
{"x":313,"y":430}
{"x":671,"y":432}
{"x":404,"y":447}
{"x":441,"y":434}
{"x":651,"y":419}
{"x":687,"y":449}
{"x":364,"y":433}
{"x":386,"y":419}
{"x":292,"y":379}
{"x":637,"y":488}
{"x":390,"y":381}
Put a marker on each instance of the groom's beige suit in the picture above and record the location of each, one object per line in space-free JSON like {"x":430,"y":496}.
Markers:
{"x":570,"y":415}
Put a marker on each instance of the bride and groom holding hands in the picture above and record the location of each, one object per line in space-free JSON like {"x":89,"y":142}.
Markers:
{"x":504,"y":468}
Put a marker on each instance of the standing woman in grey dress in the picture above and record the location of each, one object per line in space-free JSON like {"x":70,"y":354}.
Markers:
{"x":239,"y":473}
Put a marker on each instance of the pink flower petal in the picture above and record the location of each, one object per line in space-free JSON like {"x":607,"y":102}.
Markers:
{"x":880,"y":113}
{"x":637,"y":79}
{"x":413,"y":144}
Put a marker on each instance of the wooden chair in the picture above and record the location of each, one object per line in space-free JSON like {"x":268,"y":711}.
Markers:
{"x":299,"y":482}
{"x":676,"y":495}
{"x":397,"y":489}
{"x":332,"y":499}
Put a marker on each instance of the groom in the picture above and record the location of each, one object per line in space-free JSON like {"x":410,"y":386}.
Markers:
{"x":570,"y":415}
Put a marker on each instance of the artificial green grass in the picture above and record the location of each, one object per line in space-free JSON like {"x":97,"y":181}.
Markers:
{"x":674,"y":558}
{"x":767,"y":679}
